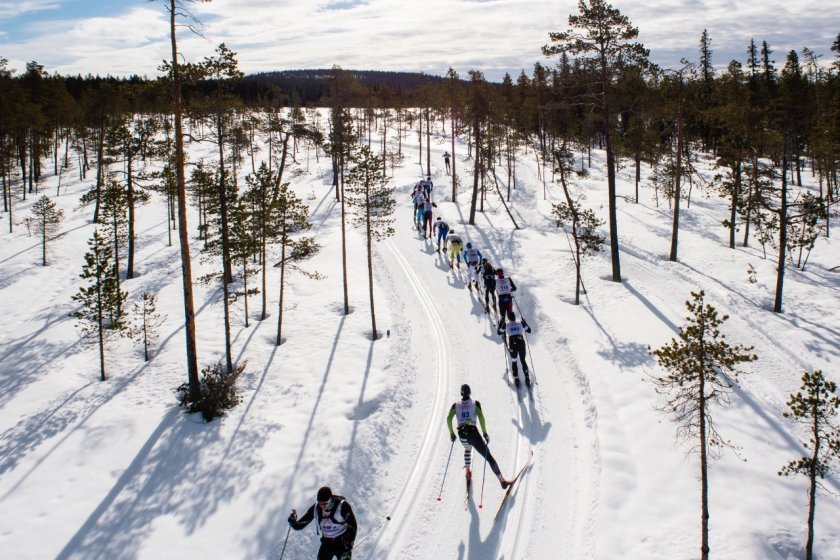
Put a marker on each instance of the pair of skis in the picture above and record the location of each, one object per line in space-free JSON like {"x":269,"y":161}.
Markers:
{"x":513,"y":482}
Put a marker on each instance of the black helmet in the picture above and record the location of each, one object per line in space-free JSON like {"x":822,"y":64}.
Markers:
{"x":465,"y":391}
{"x":484,"y":259}
{"x":511,"y":315}
{"x":324,"y":494}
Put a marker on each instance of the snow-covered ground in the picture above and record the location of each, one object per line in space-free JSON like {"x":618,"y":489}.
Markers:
{"x":115,"y":469}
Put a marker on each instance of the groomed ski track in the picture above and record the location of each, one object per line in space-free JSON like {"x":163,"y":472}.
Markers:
{"x":555,"y":502}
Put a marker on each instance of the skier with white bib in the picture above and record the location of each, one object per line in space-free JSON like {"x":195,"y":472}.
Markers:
{"x":468,"y":412}
{"x":336,"y":524}
{"x":504,"y":289}
{"x":514,"y":332}
{"x":472,"y":257}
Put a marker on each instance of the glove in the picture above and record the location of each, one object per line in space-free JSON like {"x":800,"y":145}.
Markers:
{"x":293,"y":518}
{"x":486,"y":437}
{"x":452,"y":437}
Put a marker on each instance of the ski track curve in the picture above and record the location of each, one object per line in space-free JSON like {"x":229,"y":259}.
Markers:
{"x":415,"y":479}
{"x":510,"y":543}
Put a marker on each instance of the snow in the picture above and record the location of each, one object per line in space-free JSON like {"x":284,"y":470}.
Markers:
{"x":115,"y":469}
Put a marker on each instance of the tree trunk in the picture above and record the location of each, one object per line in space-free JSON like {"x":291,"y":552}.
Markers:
{"x":183,"y":234}
{"x":129,"y":273}
{"x":428,"y":145}
{"x":284,"y":240}
{"x":783,"y":225}
{"x":100,"y":171}
{"x":812,"y":476}
{"x":454,"y":160}
{"x":476,"y":170}
{"x":100,"y":320}
{"x":677,"y":194}
{"x":704,"y":474}
{"x":733,"y":211}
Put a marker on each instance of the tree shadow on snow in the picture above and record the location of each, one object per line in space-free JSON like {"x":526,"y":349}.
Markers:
{"x":179,"y":472}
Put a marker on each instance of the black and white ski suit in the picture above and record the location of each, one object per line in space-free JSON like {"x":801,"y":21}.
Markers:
{"x":336,"y":524}
{"x":514,"y":332}
{"x":468,"y":412}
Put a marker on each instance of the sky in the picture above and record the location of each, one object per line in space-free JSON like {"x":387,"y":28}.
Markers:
{"x":124,"y":37}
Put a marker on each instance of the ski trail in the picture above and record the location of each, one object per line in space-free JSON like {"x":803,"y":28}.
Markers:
{"x":420,"y":469}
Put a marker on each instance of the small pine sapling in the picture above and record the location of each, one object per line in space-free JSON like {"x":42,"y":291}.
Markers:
{"x":217,"y":391}
{"x":147,"y":322}
{"x":98,"y":320}
{"x":816,"y":406}
{"x":44,"y":222}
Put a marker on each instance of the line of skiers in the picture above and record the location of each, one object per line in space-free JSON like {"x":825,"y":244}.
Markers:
{"x":498,"y":288}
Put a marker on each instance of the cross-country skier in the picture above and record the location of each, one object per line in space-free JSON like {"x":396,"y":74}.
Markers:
{"x":472,"y":257}
{"x":427,"y":217}
{"x":420,"y":213}
{"x":417,"y":199}
{"x":336,"y":523}
{"x":442,"y":229}
{"x":428,"y":186}
{"x":446,"y":157}
{"x":504,"y":289}
{"x":468,"y":411}
{"x":488,"y":273}
{"x":514,"y":331}
{"x":456,"y":245}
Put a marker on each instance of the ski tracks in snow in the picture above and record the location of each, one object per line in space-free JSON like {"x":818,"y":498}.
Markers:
{"x":555,"y":501}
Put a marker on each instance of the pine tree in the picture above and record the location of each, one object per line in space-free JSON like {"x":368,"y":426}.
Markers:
{"x":114,"y":220}
{"x":98,"y":319}
{"x":147,"y":322}
{"x":177,"y":74}
{"x":290,"y":217}
{"x":605,"y":38}
{"x":701,"y":374}
{"x":44,"y":222}
{"x":258,"y":196}
{"x":584,"y":224}
{"x":372,"y":200}
{"x":816,"y":406}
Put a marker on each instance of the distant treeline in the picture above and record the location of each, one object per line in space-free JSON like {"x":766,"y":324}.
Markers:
{"x":282,"y":88}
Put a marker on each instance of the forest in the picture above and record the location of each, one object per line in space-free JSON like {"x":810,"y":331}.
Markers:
{"x":768,"y":125}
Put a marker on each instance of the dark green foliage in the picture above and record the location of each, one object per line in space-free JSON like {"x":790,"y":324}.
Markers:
{"x":815,"y":406}
{"x":146,"y":322}
{"x":701,"y":369}
{"x":99,"y":319}
{"x":217,"y":392}
{"x":44,"y":222}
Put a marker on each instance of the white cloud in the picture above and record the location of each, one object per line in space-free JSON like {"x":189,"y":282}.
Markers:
{"x":14,"y":9}
{"x":428,"y":35}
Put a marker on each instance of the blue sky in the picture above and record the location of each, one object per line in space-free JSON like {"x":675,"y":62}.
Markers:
{"x":123,"y":37}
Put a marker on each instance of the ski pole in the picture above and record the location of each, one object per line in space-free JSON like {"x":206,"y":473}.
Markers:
{"x":527,"y":346}
{"x":375,"y":529}
{"x":451,"y":447}
{"x":289,"y":530}
{"x":483,"y":476}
